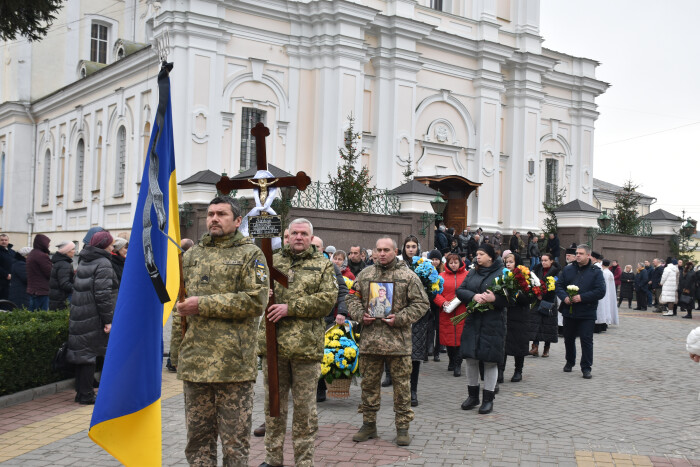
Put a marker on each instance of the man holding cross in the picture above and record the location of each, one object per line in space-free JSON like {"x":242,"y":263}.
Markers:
{"x":298,"y":313}
{"x":227,"y":283}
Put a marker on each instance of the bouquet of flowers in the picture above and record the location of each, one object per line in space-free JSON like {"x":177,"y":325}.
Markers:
{"x":571,"y":291}
{"x":542,"y":289}
{"x":509,"y":284}
{"x":340,"y":355}
{"x":428,"y":275}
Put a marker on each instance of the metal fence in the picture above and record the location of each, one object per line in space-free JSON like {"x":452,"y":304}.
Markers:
{"x":322,"y":196}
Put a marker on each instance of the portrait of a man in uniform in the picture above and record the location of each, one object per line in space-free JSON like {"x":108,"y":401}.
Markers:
{"x":381,"y":294}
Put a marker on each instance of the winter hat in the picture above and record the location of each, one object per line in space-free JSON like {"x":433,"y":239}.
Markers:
{"x":669,"y":260}
{"x":571,"y":251}
{"x":119,"y":243}
{"x":505,"y":253}
{"x":596,"y":255}
{"x":435,"y":254}
{"x":675,"y":262}
{"x":606,"y":263}
{"x":692,"y":344}
{"x":24,"y":251}
{"x":488,"y":249}
{"x":65,"y":247}
{"x":330,"y":249}
{"x":90,"y":233}
{"x":101,"y":239}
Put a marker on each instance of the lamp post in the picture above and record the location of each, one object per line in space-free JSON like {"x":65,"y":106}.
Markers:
{"x":604,"y":222}
{"x":438,"y":204}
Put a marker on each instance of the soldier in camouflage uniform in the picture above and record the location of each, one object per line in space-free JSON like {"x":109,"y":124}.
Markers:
{"x":227,"y":284}
{"x":299,"y":311}
{"x":387,"y":339}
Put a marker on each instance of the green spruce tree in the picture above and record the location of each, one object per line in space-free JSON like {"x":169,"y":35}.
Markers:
{"x":550,"y":221}
{"x":351,"y":185}
{"x":626,"y":218}
{"x":28,"y":18}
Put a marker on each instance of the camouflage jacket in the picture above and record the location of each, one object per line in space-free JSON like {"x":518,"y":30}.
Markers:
{"x":230,"y":276}
{"x":409,"y":304}
{"x":312,"y":293}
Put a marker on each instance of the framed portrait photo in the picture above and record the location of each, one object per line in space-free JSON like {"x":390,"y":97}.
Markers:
{"x":381,"y":299}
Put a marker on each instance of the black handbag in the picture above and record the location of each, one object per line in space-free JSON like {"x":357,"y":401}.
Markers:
{"x":60,"y":360}
{"x":547,"y":308}
{"x":685,"y":300}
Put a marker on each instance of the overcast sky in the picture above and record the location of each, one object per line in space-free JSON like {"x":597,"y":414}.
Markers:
{"x":649,"y":125}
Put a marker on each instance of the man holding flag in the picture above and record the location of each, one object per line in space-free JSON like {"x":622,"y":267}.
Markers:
{"x":227,"y":283}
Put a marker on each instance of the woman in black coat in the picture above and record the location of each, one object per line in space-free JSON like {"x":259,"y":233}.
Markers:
{"x":687,"y":287}
{"x":62,"y":274}
{"x":626,"y":286}
{"x":483,"y":336}
{"x":518,"y":334}
{"x":18,"y":282}
{"x":544,"y":327}
{"x":91,"y":310}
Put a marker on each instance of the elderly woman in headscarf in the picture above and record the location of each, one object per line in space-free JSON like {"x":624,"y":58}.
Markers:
{"x":119,"y":249}
{"x":62,"y":274}
{"x":92,"y":306}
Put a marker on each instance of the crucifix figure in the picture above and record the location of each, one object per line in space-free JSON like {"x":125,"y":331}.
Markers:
{"x":300,"y":181}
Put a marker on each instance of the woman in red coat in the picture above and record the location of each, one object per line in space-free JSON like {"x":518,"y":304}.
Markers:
{"x":450,"y":334}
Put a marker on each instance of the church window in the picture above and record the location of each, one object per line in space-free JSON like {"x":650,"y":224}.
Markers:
{"x":436,"y":5}
{"x":47,"y":179}
{"x":79,"y":170}
{"x":250,"y":116}
{"x":2,"y":180}
{"x":551,"y":180}
{"x":98,"y":43}
{"x":121,"y":162}
{"x":61,"y":172}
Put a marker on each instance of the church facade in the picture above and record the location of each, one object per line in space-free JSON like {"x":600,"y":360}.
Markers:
{"x":461,"y":91}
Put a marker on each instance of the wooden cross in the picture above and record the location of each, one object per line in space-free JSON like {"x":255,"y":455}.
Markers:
{"x":300,"y":181}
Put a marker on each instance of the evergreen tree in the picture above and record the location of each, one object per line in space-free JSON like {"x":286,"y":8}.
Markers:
{"x":626,"y":217}
{"x":550,"y":221}
{"x":29,"y":18}
{"x":350,"y":185}
{"x":408,"y":172}
{"x":682,"y":247}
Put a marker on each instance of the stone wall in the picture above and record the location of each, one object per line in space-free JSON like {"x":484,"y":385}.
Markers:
{"x":626,"y":249}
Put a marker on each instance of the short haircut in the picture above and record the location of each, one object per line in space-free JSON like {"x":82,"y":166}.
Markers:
{"x":549,"y":255}
{"x":235,"y":208}
{"x":301,"y":220}
{"x":340,"y":253}
{"x":585,"y":248}
{"x":386,"y":237}
{"x":2,"y":235}
{"x":355,"y":246}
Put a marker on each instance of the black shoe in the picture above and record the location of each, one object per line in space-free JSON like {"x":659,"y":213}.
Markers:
{"x":517,"y":376}
{"x":426,"y":358}
{"x":567,"y":368}
{"x":500,"y":377}
{"x":87,"y":399}
{"x":644,"y":309}
{"x":688,"y":316}
{"x":320,"y":395}
{"x":587,"y":374}
{"x":473,"y":399}
{"x":487,"y":404}
{"x":457,"y":371}
{"x":387,"y":381}
{"x":169,"y":366}
{"x":259,"y":431}
{"x":451,"y":366}
{"x":414,"y":399}
{"x":638,"y":309}
{"x":95,"y":384}
{"x":436,"y":357}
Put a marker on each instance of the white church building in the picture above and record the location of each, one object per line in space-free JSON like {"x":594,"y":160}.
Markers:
{"x":461,"y":89}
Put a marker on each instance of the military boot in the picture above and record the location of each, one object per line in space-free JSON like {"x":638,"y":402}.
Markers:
{"x":402,"y":437}
{"x":368,"y":431}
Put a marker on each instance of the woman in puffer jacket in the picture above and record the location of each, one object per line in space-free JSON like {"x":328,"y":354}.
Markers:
{"x":92,"y":306}
{"x":450,"y":334}
{"x":669,"y":286}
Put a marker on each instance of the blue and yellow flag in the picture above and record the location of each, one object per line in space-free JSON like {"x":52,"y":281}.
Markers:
{"x":126,"y":421}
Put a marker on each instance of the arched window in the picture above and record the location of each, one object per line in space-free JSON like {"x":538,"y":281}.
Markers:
{"x":97,"y":166}
{"x":47,"y":179}
{"x":121,"y":162}
{"x":250,"y":118}
{"x":2,"y":180}
{"x":551,"y":180}
{"x":61,"y":173}
{"x":79,"y":170}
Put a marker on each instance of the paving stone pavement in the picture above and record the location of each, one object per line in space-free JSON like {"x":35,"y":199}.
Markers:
{"x":642,"y":407}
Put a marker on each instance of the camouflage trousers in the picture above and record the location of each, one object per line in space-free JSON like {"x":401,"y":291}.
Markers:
{"x":372,"y":368}
{"x":218,"y":410}
{"x":302,"y":378}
